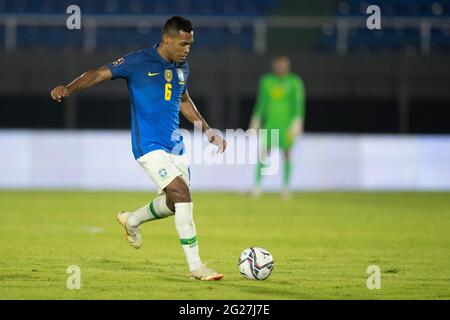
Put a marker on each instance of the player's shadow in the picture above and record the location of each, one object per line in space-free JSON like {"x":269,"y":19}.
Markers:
{"x":254,"y":288}
{"x":177,"y":278}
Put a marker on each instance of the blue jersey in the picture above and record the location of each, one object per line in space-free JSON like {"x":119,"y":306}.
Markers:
{"x":155,"y":87}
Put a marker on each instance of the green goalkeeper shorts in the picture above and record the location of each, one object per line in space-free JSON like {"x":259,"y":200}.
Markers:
{"x":284,"y":142}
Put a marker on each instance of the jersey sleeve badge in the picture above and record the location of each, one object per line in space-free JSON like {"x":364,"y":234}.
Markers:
{"x":118,"y":62}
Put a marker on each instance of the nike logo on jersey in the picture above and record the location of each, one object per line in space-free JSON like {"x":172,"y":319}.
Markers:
{"x":152,"y":74}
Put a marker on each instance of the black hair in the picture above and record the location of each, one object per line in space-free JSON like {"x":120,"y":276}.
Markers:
{"x":177,"y":24}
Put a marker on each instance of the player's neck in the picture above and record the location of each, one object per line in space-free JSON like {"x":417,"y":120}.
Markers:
{"x":281,"y":75}
{"x":162,"y":52}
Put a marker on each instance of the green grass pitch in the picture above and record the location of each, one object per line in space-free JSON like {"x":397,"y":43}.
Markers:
{"x":322,"y":243}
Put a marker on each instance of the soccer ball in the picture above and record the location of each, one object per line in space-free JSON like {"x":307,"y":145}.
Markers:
{"x":255,"y":263}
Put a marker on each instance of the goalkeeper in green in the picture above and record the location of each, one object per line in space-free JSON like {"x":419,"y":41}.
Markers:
{"x":280,"y":105}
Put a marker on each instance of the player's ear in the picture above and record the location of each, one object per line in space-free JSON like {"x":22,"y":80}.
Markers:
{"x":165,"y":38}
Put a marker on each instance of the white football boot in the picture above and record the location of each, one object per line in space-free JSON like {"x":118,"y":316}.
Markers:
{"x":205,"y":274}
{"x":133,"y":234}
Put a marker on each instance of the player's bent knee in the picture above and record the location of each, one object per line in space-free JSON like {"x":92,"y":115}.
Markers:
{"x":178,"y":191}
{"x":180,"y":195}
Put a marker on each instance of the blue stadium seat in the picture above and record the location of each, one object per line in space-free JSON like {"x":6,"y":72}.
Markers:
{"x":126,"y":39}
{"x":48,"y":38}
{"x":220,"y":7}
{"x":412,"y":8}
{"x":388,"y":39}
{"x":440,"y":39}
{"x":217,"y":38}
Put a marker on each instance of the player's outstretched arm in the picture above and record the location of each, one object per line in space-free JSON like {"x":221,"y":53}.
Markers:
{"x":86,"y":80}
{"x":191,"y":113}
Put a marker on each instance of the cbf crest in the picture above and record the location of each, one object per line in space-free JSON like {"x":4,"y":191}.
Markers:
{"x":180,"y":75}
{"x":168,"y":75}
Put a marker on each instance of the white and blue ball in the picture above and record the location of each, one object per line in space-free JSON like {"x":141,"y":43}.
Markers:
{"x":256,"y":263}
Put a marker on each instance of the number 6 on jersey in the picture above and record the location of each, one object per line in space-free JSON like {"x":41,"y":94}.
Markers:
{"x":168,"y":92}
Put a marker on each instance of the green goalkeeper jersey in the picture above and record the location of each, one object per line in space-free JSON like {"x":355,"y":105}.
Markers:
{"x":280,"y":101}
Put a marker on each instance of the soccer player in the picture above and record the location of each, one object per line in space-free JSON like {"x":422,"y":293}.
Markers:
{"x":280,"y":105}
{"x":157,"y":84}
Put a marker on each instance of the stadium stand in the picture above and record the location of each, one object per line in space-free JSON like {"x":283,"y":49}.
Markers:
{"x":390,"y":39}
{"x":42,"y":37}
